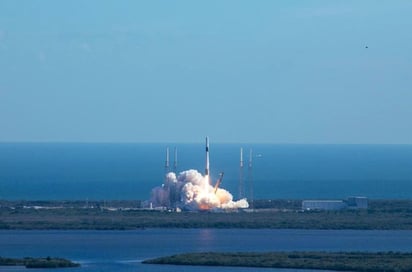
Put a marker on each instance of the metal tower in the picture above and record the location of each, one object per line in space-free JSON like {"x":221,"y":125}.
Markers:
{"x":175,"y":162}
{"x":250,"y":177}
{"x":241,"y":185}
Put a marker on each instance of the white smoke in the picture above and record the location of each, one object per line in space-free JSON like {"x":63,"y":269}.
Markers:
{"x":193,"y":191}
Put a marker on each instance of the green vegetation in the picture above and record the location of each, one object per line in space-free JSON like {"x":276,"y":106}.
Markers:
{"x":38,"y":262}
{"x":341,"y":261}
{"x":275,"y":214}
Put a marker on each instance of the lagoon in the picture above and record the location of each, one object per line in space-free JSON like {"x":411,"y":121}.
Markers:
{"x":124,"y":250}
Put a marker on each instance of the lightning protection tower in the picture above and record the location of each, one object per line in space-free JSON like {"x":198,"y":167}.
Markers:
{"x":175,"y":161}
{"x":241,"y":185}
{"x":250,"y":178}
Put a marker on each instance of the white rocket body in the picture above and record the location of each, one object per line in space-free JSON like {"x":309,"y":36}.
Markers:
{"x":207,"y":157}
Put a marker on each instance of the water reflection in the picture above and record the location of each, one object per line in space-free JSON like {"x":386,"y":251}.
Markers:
{"x":124,"y":250}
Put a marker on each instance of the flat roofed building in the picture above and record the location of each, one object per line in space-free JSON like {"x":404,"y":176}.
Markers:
{"x":323,"y":205}
{"x":353,"y":202}
{"x":357,"y":202}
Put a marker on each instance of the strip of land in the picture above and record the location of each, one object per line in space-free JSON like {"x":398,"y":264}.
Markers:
{"x":341,"y":261}
{"x":38,"y":262}
{"x":127,"y":215}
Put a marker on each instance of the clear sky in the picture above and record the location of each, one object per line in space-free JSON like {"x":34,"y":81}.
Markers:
{"x":176,"y":71}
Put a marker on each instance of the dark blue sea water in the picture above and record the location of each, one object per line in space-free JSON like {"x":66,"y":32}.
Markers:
{"x":129,"y":171}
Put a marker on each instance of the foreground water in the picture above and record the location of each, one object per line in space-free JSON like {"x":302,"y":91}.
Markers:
{"x":129,"y":171}
{"x":124,"y":250}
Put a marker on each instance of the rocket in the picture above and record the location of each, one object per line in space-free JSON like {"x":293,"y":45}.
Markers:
{"x":207,"y":157}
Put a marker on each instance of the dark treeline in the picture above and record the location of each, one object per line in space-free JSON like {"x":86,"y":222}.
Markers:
{"x":275,"y":214}
{"x":29,"y":262}
{"x":337,"y":261}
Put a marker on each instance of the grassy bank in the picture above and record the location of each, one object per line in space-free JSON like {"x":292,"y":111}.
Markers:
{"x":275,"y":214}
{"x":38,"y":262}
{"x":343,"y":261}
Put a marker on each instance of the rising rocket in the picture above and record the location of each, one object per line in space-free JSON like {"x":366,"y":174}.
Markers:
{"x":207,"y":157}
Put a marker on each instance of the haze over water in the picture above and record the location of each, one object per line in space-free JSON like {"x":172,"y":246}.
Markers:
{"x":76,"y":171}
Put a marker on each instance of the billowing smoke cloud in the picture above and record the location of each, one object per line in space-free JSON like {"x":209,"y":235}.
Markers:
{"x":193,"y":191}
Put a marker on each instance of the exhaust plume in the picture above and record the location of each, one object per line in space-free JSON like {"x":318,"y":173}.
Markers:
{"x":190,"y":190}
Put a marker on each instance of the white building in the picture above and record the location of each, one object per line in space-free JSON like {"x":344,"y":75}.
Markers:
{"x":333,"y":205}
{"x":308,"y":205}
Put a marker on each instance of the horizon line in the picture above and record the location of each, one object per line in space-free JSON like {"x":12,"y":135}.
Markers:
{"x":192,"y":142}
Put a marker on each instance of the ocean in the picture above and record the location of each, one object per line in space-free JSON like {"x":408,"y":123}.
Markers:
{"x":114,"y":171}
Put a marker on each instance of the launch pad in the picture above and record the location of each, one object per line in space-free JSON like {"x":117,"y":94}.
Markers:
{"x":190,"y":190}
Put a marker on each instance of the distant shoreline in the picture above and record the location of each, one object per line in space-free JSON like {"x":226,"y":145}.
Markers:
{"x":271,"y":214}
{"x":29,"y":262}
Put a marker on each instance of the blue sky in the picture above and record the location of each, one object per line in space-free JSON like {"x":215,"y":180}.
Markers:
{"x":175,"y":71}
